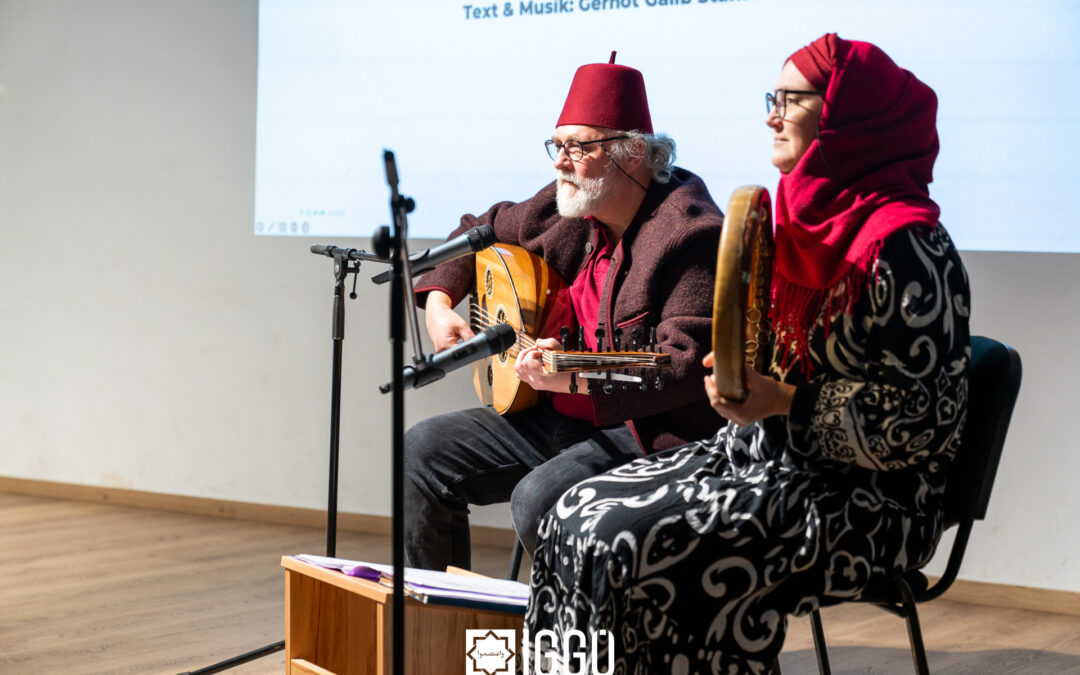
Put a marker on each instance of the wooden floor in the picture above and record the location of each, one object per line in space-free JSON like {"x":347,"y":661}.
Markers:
{"x":95,"y":588}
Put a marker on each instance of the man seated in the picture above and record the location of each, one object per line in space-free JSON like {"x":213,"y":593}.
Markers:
{"x":637,"y":238}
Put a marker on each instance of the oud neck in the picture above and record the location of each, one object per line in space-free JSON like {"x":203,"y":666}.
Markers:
{"x":562,"y":362}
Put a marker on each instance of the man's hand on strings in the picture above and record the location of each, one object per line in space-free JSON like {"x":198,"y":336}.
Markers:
{"x":766,"y":397}
{"x":529,"y":368}
{"x":445,"y":326}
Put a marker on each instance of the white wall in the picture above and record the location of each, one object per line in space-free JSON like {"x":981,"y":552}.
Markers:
{"x":149,"y":341}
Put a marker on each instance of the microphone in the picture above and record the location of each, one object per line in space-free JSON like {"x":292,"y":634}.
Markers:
{"x":348,"y":253}
{"x":476,"y":239}
{"x":493,"y":340}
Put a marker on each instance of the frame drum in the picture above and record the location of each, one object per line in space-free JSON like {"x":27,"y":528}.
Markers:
{"x":741,"y":298}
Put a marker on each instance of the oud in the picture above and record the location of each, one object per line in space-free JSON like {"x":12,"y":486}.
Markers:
{"x":517,"y":287}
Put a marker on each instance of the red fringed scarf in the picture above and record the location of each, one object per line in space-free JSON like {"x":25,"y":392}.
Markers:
{"x":865,"y":177}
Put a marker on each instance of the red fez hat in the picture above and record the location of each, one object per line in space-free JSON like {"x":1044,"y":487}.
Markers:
{"x":607,"y":95}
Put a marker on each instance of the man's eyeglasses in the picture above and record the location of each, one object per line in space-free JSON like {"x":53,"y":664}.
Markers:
{"x":574,"y":149}
{"x":778,"y":100}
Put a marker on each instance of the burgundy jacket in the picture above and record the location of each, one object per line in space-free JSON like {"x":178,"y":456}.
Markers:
{"x":661,"y":275}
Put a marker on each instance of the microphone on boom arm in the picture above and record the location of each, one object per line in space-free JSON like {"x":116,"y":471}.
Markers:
{"x":493,"y":340}
{"x":472,"y":241}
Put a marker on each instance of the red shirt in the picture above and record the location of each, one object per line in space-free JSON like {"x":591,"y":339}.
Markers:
{"x":585,"y":293}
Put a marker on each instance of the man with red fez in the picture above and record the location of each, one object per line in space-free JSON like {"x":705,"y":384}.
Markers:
{"x":636,"y":238}
{"x":831,"y":474}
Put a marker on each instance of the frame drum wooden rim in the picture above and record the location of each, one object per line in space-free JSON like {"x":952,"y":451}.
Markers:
{"x":741,"y":298}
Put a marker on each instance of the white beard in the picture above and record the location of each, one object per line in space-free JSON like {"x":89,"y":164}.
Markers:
{"x":577,"y":197}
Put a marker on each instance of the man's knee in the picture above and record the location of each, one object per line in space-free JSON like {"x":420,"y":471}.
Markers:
{"x":528,"y":504}
{"x":427,"y":441}
{"x":428,"y":446}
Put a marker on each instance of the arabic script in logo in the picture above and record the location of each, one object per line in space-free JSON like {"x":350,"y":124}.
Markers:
{"x":490,"y":651}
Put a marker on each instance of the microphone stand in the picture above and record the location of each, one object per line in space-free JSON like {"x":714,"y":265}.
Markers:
{"x":346,"y":261}
{"x":400,"y":288}
{"x":392,"y":247}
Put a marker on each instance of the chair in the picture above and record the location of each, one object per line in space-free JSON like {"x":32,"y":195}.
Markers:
{"x":993,"y":384}
{"x":515,"y":560}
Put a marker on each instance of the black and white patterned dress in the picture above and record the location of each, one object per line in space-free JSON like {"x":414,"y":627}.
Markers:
{"x":693,"y":558}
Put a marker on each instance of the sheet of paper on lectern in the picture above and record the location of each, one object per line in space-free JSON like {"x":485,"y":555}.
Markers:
{"x":352,"y":568}
{"x":433,"y":586}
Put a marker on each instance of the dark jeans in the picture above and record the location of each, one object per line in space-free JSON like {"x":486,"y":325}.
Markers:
{"x":478,"y":457}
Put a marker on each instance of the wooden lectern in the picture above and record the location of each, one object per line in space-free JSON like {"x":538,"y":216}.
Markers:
{"x":341,"y":625}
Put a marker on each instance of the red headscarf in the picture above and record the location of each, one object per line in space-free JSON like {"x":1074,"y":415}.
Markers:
{"x":864,"y":177}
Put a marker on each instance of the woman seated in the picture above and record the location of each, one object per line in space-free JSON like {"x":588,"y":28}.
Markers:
{"x":831,"y":473}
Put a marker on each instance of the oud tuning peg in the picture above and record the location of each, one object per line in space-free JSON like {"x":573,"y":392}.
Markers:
{"x":652,"y":339}
{"x":608,"y":385}
{"x":581,"y":339}
{"x":599,"y":339}
{"x":635,"y":339}
{"x":564,"y":336}
{"x":659,"y":383}
{"x":573,"y":383}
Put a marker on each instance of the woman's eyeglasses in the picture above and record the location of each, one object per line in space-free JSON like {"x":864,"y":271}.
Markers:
{"x":778,"y":100}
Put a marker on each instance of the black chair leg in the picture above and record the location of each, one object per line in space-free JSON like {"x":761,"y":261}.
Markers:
{"x":819,"y":643}
{"x":515,"y":560}
{"x":911,"y":614}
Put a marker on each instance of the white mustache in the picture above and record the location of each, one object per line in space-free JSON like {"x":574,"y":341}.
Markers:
{"x":568,"y":178}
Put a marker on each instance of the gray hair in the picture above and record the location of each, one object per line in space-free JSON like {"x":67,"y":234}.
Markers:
{"x":657,"y":151}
